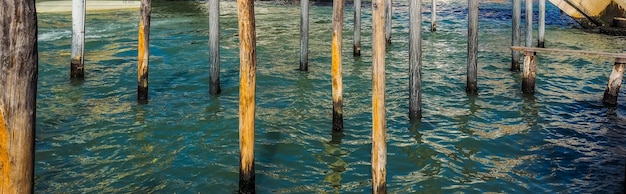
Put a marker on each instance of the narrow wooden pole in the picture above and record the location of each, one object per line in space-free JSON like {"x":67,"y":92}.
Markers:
{"x":379,"y":131}
{"x":615,"y":82}
{"x":529,"y":23}
{"x":415,"y":59}
{"x":542,"y":23}
{"x":18,"y":83}
{"x":77,"y":69}
{"x":304,"y":35}
{"x":214,"y":42}
{"x":336,"y":65}
{"x":472,"y":48}
{"x":247,"y":87}
{"x":388,"y":15}
{"x":433,"y":16}
{"x":144,"y":51}
{"x":357,"y":28}
{"x":529,"y":72}
{"x":516,"y":35}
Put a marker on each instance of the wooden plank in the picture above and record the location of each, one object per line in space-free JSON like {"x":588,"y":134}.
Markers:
{"x":569,"y":52}
{"x":18,"y":86}
{"x":144,"y":51}
{"x":472,"y":48}
{"x":214,"y":42}
{"x":415,"y":60}
{"x":337,"y":83}
{"x":77,"y":63}
{"x":516,"y":39}
{"x":379,"y":131}
{"x":357,"y":29}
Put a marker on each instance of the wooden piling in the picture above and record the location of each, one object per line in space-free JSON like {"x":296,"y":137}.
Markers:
{"x":304,"y":35}
{"x":529,"y":23}
{"x":472,"y":48}
{"x":144,"y":51}
{"x":379,"y":139}
{"x":357,"y":28}
{"x":415,"y":60}
{"x":77,"y":66}
{"x":214,"y":42}
{"x":433,"y":16}
{"x":542,"y":23}
{"x":247,"y":87}
{"x":388,"y":16}
{"x":516,"y":35}
{"x":18,"y":83}
{"x":529,"y":72}
{"x":336,"y":65}
{"x":615,"y":82}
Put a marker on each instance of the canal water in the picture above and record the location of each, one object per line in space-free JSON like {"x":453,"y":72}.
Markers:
{"x":93,"y":137}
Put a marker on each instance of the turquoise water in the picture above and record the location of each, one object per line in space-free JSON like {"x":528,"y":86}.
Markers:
{"x":93,"y":137}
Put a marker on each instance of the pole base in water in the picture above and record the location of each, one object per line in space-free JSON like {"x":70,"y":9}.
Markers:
{"x":77,"y":69}
{"x":246,"y":182}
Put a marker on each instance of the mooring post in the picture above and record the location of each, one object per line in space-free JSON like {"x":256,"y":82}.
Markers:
{"x":388,"y":16}
{"x":542,"y":23}
{"x":77,"y":69}
{"x":144,"y":51}
{"x":379,"y":131}
{"x":615,"y":82}
{"x":304,"y":35}
{"x":357,"y":28}
{"x":415,"y":59}
{"x":336,"y":65}
{"x":529,"y":23}
{"x":472,"y":48}
{"x":214,"y":37}
{"x":247,"y":87}
{"x":18,"y":83}
{"x":515,"y":40}
{"x":433,"y":16}
{"x":529,"y":72}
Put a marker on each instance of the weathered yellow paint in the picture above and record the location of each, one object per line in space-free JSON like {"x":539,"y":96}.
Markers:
{"x":379,"y":131}
{"x":142,"y":55}
{"x":5,"y":165}
{"x":336,"y":70}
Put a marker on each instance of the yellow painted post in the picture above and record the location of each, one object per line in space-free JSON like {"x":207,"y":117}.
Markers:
{"x":336,"y":65}
{"x":144,"y":51}
{"x":379,"y":131}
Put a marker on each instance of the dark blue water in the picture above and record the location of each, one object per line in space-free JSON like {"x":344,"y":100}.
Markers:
{"x":93,"y":137}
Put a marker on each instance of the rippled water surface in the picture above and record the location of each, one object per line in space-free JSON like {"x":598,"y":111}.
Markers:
{"x":92,"y":136}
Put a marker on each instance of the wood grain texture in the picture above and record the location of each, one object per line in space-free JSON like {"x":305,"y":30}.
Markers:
{"x":77,"y":63}
{"x":304,"y":35}
{"x":214,"y":44}
{"x":337,"y":82}
{"x":379,"y":131}
{"x":615,"y":82}
{"x":415,"y":60}
{"x":529,"y":73}
{"x":143,"y":51}
{"x":516,"y":35}
{"x":472,"y":48}
{"x":356,"y":48}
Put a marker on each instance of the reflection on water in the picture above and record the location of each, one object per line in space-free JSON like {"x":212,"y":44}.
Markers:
{"x":92,"y":136}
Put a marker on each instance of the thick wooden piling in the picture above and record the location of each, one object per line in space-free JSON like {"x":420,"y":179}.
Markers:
{"x":304,"y":35}
{"x":247,"y":87}
{"x":336,"y":65}
{"x":388,"y":18}
{"x":529,"y":72}
{"x":357,"y":28}
{"x":415,"y":59}
{"x":529,"y":23}
{"x":214,"y":43}
{"x":615,"y":82}
{"x":144,"y":51}
{"x":379,"y":131}
{"x":472,"y":48}
{"x":18,"y":83}
{"x":542,"y":23}
{"x":77,"y":65}
{"x":516,"y":35}
{"x":433,"y":16}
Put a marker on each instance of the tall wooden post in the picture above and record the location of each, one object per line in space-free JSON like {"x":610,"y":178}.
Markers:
{"x":529,"y":23}
{"x":379,"y":131}
{"x":542,"y":23}
{"x":77,"y":69}
{"x":304,"y":35}
{"x":516,"y":34}
{"x":415,"y":59}
{"x":214,"y":42}
{"x":388,"y":16}
{"x":18,"y":83}
{"x":615,"y":82}
{"x":247,"y":87}
{"x":144,"y":51}
{"x":336,"y":65}
{"x":472,"y":48}
{"x":433,"y":16}
{"x":357,"y":28}
{"x":529,"y":72}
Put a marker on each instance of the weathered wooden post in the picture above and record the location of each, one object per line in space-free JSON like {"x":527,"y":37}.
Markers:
{"x":529,"y":72}
{"x":542,"y":23}
{"x":336,"y":65}
{"x":379,"y":131}
{"x":415,"y":59}
{"x":214,"y":37}
{"x":433,"y":16}
{"x":472,"y":48}
{"x":144,"y":51}
{"x":247,"y":87}
{"x":529,"y":23}
{"x":516,"y":35}
{"x":77,"y":69}
{"x":615,"y":82}
{"x":304,"y":35}
{"x":388,"y":16}
{"x":357,"y":28}
{"x":18,"y":83}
